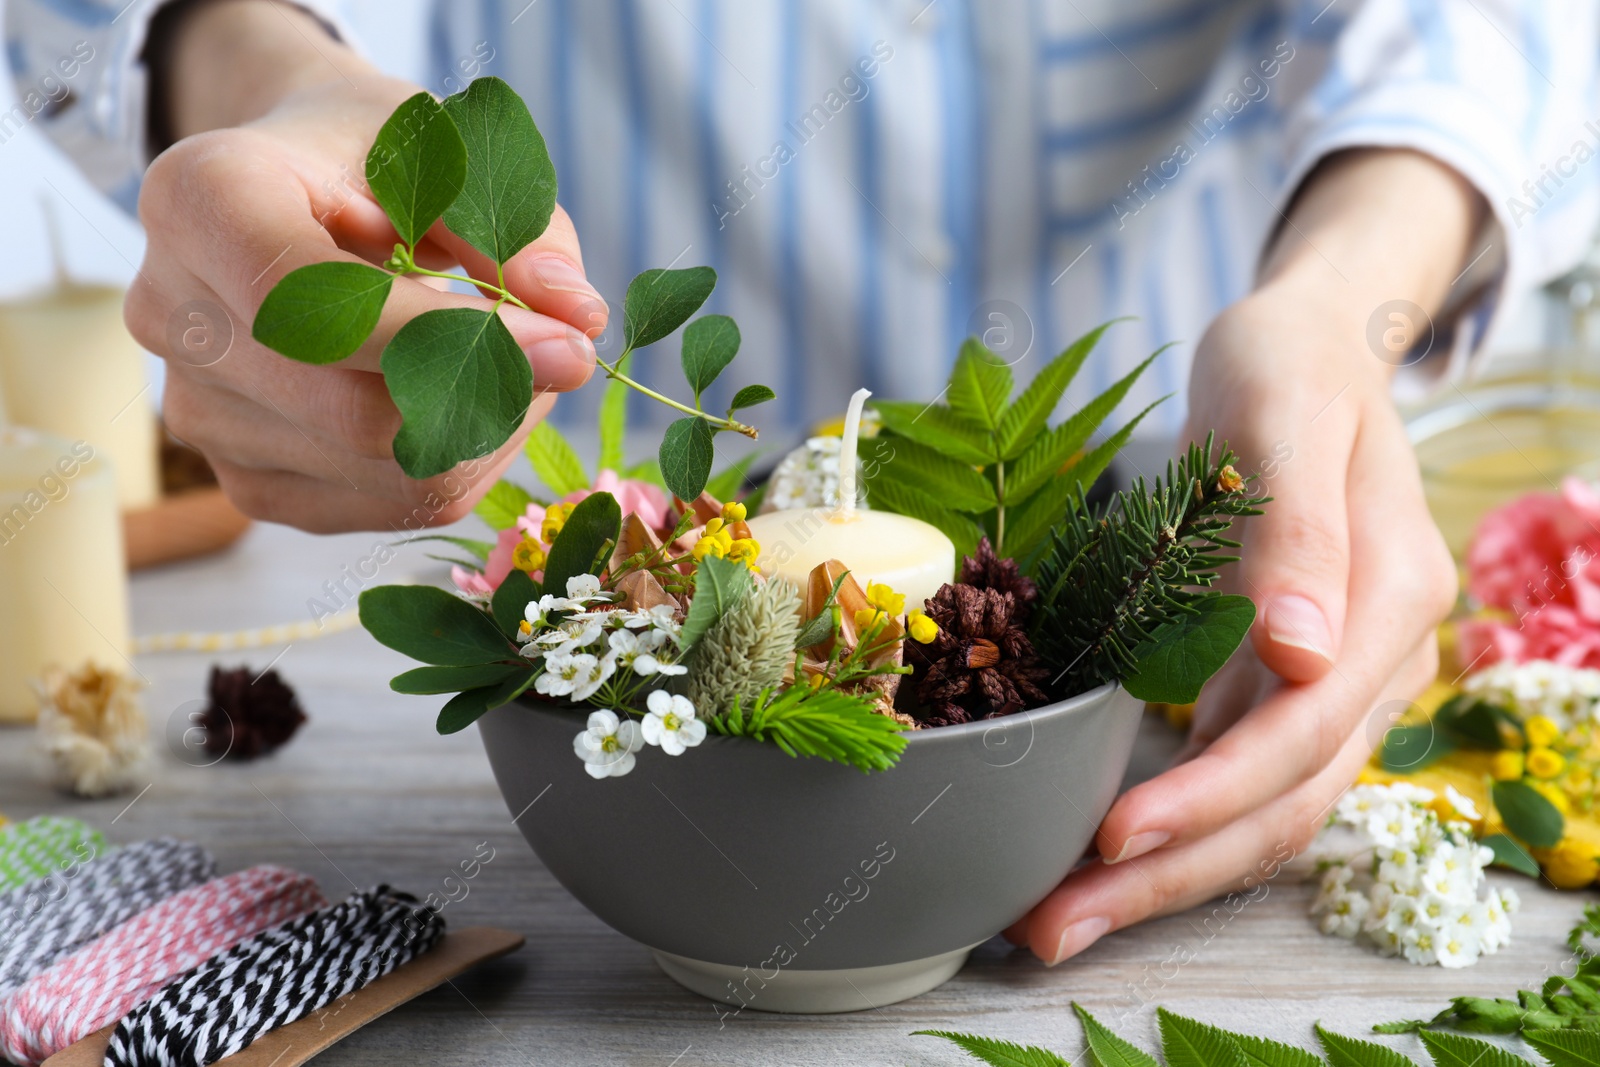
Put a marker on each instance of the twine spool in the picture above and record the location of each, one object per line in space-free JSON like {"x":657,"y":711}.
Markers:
{"x":44,"y":846}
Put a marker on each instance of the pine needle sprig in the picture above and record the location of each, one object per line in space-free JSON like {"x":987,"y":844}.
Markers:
{"x":822,"y":723}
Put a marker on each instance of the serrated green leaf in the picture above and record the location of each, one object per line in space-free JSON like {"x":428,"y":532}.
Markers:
{"x":462,"y":386}
{"x":659,"y":301}
{"x":509,"y":605}
{"x":718,"y":585}
{"x":894,"y":496}
{"x":750,"y":396}
{"x":1107,"y":1049}
{"x":1182,"y":655}
{"x":1527,"y":814}
{"x":510,"y":187}
{"x":323,"y":312}
{"x":728,"y":483}
{"x":1031,"y":410}
{"x":416,"y":166}
{"x":1190,"y":1043}
{"x":1453,"y":1050}
{"x":613,"y":421}
{"x":554,"y":460}
{"x":686,"y":454}
{"x":503,"y":505}
{"x":1263,"y":1052}
{"x":428,"y":681}
{"x":596,"y":520}
{"x":944,"y":481}
{"x":980,"y":385}
{"x":939,"y":428}
{"x":1509,"y":854}
{"x":1413,"y":746}
{"x":1352,"y":1052}
{"x":1566,"y":1048}
{"x":998,"y":1053}
{"x":709,"y":345}
{"x":431,"y":625}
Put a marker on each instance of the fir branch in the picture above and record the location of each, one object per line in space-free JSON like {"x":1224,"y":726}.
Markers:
{"x":825,"y":724}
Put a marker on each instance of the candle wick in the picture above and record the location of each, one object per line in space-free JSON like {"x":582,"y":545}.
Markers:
{"x":847,"y":455}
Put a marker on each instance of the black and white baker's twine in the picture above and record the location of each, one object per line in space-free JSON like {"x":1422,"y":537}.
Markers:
{"x":42,"y":921}
{"x":276,"y":977}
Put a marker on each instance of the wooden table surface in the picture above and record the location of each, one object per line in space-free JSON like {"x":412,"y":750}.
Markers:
{"x":368,"y":793}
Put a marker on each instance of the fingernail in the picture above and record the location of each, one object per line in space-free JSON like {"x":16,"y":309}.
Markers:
{"x":561,"y":362}
{"x":1079,"y":936}
{"x":1297,"y":622}
{"x":1139,"y":844}
{"x":561,"y":275}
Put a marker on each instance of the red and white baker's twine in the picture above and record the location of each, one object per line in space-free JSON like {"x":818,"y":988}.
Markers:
{"x":106,"y":979}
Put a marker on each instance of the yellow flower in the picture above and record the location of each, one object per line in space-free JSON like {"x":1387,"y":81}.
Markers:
{"x":555,"y":517}
{"x":883,"y":598}
{"x":744,"y":550}
{"x":1506,"y":766}
{"x":1554,"y":795}
{"x":1570,"y":865}
{"x":818,"y":681}
{"x":528,"y":556}
{"x":733,"y":512}
{"x":865,"y":617}
{"x":923,"y":629}
{"x":1545,"y":762}
{"x":714,"y":527}
{"x":709,"y":546}
{"x":1542,"y":731}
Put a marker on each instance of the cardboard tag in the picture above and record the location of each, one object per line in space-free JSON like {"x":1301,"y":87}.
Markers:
{"x":288,"y":1046}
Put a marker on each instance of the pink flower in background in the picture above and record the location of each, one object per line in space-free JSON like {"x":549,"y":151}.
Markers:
{"x":1537,"y":558}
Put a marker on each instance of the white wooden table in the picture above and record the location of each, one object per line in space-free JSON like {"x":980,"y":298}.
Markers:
{"x":368,"y":793}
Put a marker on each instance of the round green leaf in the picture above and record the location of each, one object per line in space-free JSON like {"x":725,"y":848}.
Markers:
{"x":709,"y":345}
{"x":750,"y":396}
{"x":510,"y":188}
{"x":431,"y":625}
{"x":1181,"y":656}
{"x":322,"y":313}
{"x":416,"y":166}
{"x":686,"y":454}
{"x":659,"y":301}
{"x":1527,"y":814}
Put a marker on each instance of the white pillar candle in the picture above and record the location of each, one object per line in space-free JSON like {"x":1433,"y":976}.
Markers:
{"x":907,"y":554}
{"x":68,"y":366}
{"x":62,"y":571}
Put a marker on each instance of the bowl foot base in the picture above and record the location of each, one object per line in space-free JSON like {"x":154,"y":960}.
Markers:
{"x":812,"y":992}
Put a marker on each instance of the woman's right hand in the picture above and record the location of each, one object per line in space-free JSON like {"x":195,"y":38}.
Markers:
{"x":276,"y":119}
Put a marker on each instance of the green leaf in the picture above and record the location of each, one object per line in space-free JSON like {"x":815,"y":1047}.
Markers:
{"x":718,"y":585}
{"x":466,"y":708}
{"x":1264,"y":1052}
{"x":1566,"y":1048}
{"x":1183,"y":654}
{"x":509,"y":605}
{"x":1351,"y":1052}
{"x":891,"y":495}
{"x":554,"y":460}
{"x":819,"y":627}
{"x":998,"y":1053}
{"x":1507,"y":853}
{"x":1031,"y":410}
{"x":1527,"y":814}
{"x":431,"y":625}
{"x":613,"y":422}
{"x":821,"y":724}
{"x":709,"y":345}
{"x":944,"y":481}
{"x":750,"y":396}
{"x":1474,"y":723}
{"x":1413,"y":746}
{"x":416,"y":166}
{"x":462,"y":386}
{"x":659,"y":301}
{"x":596,"y":520}
{"x":980,"y":385}
{"x":426,"y":681}
{"x":479,"y":549}
{"x":1107,"y":1049}
{"x":1190,"y":1043}
{"x":323,"y":312}
{"x":1453,"y":1050}
{"x":503,"y":505}
{"x":728,"y":483}
{"x":939,"y":428}
{"x":686,"y":454}
{"x":510,"y":188}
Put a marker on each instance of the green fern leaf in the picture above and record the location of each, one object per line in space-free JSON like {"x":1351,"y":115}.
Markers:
{"x":1264,"y":1052}
{"x":944,"y":481}
{"x":979,"y":386}
{"x":1566,"y":1048}
{"x":1453,"y":1050}
{"x":1107,"y":1049}
{"x":938,"y":427}
{"x":1351,"y":1052}
{"x":1031,"y":410}
{"x":1190,"y":1043}
{"x":554,"y":460}
{"x":999,"y":1053}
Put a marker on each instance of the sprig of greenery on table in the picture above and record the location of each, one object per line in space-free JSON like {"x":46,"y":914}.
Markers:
{"x":1188,"y":1042}
{"x":462,"y":384}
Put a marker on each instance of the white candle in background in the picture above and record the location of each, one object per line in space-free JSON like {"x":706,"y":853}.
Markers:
{"x":908,"y":554}
{"x":68,"y":366}
{"x":63,"y":580}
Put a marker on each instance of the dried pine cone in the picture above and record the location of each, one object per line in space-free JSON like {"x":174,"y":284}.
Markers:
{"x":247,"y":716}
{"x":982,"y":664}
{"x":985,"y":570}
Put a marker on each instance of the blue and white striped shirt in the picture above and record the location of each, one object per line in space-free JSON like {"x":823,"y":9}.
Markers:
{"x":876,"y":179}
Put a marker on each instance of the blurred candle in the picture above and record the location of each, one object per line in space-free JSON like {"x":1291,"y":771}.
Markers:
{"x":907,"y":554}
{"x":68,"y":366}
{"x":61,"y":564}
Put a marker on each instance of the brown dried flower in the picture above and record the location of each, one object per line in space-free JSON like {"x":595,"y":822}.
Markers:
{"x":985,"y":570}
{"x":982,"y":664}
{"x":92,"y":729}
{"x":248,"y":716}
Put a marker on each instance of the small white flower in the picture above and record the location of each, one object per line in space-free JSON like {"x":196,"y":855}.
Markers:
{"x":1344,"y":914}
{"x":631,"y":651}
{"x":583,"y":587}
{"x":1462,"y":806}
{"x":576,"y":675}
{"x":608,"y":744}
{"x":569,"y":636}
{"x":671,"y":723}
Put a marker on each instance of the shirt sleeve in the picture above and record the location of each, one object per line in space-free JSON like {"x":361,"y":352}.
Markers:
{"x":1498,"y":90}
{"x":79,"y":75}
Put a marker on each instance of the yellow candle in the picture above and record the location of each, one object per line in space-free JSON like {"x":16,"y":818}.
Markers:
{"x":908,"y":554}
{"x":68,"y":366}
{"x":61,"y":564}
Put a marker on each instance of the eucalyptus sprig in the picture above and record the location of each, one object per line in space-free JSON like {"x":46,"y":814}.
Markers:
{"x":461,"y":383}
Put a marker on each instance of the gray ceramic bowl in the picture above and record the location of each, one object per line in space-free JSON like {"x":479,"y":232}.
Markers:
{"x":799,"y":885}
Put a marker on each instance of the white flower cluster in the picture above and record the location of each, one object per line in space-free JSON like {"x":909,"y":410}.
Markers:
{"x":1415,"y":890}
{"x":807,"y":477}
{"x":1569,"y":696}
